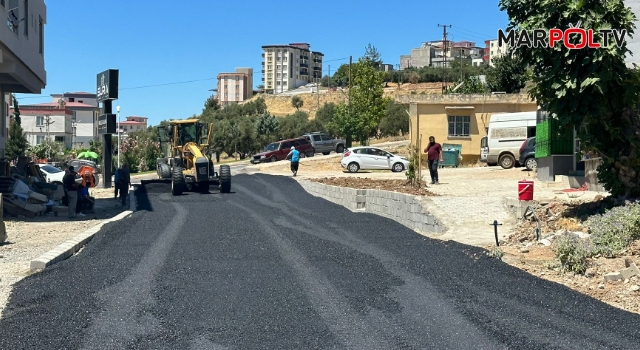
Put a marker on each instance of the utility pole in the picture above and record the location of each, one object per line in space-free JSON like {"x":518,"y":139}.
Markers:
{"x":444,"y":53}
{"x":48,"y":122}
{"x":329,"y":84}
{"x":349,"y":137}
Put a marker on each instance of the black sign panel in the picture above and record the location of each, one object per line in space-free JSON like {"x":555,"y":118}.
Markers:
{"x":107,"y":124}
{"x":107,"y":85}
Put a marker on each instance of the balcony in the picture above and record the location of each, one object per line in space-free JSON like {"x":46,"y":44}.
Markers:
{"x":304,"y":73}
{"x":302,"y":57}
{"x":317,"y":68}
{"x":263,"y":71}
{"x":304,"y":65}
{"x":317,"y":60}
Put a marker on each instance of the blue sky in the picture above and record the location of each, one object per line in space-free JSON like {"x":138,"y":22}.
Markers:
{"x":162,"y":42}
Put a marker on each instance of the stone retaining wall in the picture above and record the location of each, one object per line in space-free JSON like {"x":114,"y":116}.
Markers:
{"x":403,"y":208}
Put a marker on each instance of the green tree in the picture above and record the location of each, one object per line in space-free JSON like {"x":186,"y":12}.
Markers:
{"x":212,"y":103}
{"x":359,"y":119}
{"x":341,"y":76}
{"x":267,"y":126}
{"x":509,"y":74}
{"x":590,"y":90}
{"x":297,"y":102}
{"x":17,"y":143}
{"x":372,"y":56}
{"x":395,"y":120}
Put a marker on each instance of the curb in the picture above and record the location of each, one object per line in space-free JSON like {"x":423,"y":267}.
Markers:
{"x":70,"y":247}
{"x":403,"y":208}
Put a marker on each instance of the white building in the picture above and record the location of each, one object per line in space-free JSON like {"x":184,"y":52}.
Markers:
{"x":131,"y":124}
{"x":85,"y":109}
{"x":47,"y":121}
{"x":235,"y":87}
{"x":21,"y":53}
{"x":287,"y":67}
{"x":496,"y":51}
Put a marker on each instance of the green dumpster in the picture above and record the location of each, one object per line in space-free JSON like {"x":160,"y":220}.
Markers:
{"x":451,"y":155}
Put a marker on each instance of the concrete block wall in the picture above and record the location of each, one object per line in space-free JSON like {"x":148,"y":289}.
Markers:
{"x":404,"y":208}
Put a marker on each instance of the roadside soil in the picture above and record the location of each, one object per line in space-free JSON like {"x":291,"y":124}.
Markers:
{"x":559,"y":212}
{"x":522,"y":250}
{"x":402,"y":186}
{"x":29,"y":238}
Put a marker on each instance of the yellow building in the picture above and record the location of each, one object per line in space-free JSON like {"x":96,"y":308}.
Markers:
{"x":459,"y":119}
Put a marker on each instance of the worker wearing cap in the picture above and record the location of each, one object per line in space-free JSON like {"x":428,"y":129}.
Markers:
{"x":294,"y":155}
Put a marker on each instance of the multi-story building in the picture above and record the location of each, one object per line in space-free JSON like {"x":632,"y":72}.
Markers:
{"x":235,"y":87}
{"x":131,"y":124}
{"x":495,"y":51}
{"x":85,"y":109}
{"x":47,"y":121}
{"x":286,"y":67}
{"x":22,"y":55}
{"x":419,"y":57}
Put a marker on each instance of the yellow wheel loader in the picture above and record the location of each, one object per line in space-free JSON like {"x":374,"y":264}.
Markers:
{"x":185,"y":144}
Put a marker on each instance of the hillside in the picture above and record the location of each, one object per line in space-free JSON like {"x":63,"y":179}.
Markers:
{"x":281,"y":105}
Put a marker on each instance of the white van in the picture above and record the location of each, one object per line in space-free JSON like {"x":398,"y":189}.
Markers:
{"x":507,"y":132}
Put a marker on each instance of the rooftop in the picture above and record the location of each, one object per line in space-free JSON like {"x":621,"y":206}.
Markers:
{"x":55,"y":104}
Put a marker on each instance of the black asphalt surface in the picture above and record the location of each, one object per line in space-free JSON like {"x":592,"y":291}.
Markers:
{"x":272,"y":267}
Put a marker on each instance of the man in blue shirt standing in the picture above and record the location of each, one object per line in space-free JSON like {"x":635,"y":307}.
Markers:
{"x":294,"y":155}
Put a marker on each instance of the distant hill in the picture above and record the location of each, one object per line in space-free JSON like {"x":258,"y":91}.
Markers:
{"x":280,"y":105}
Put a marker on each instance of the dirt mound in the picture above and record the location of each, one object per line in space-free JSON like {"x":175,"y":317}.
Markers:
{"x":360,"y":183}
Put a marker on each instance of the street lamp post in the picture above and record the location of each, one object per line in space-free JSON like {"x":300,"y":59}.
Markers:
{"x":118,"y":111}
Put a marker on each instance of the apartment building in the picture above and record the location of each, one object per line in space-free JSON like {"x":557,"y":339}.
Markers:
{"x":287,"y":67}
{"x":21,"y":53}
{"x":494,"y":50}
{"x":131,"y":124}
{"x":47,"y":121}
{"x":235,"y":87}
{"x":85,"y":109}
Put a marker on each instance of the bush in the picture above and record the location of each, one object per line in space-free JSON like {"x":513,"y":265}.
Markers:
{"x":614,"y":230}
{"x":573,"y":252}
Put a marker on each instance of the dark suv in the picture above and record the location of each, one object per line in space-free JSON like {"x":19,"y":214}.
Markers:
{"x":278,"y":150}
{"x":528,"y":154}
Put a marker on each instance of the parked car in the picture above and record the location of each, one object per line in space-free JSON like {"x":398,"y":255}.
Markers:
{"x":51,"y":173}
{"x":528,"y":153}
{"x":278,"y":150}
{"x":371,"y":158}
{"x":77,"y":163}
{"x":324,"y":143}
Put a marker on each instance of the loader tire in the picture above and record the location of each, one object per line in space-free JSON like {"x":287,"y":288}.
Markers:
{"x":164,"y":171}
{"x":225,"y":179}
{"x":177,"y":181}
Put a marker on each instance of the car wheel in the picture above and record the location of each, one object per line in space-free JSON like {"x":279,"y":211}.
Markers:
{"x":353,"y":167}
{"x":273,"y":159}
{"x":302,"y":155}
{"x":325,"y":153}
{"x":340,"y":149}
{"x":531,"y":163}
{"x":311,"y":153}
{"x":397,"y":167}
{"x":507,"y":161}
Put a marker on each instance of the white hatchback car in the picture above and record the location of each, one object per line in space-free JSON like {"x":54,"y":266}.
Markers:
{"x":372,"y":158}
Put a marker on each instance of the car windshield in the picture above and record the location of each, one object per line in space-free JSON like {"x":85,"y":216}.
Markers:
{"x":272,"y":147}
{"x":50,"y":169}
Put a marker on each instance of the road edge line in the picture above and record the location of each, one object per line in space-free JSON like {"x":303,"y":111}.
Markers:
{"x":73,"y":245}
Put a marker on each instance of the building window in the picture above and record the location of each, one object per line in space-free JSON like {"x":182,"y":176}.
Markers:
{"x":237,"y":95}
{"x":39,"y":121}
{"x":59,"y":139}
{"x":459,"y":125}
{"x":237,"y":78}
{"x":13,"y":16}
{"x":2,"y":3}
{"x":237,"y":87}
{"x":39,"y":139}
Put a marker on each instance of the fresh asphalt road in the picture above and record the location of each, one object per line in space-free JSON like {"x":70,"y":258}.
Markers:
{"x":271,"y":267}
